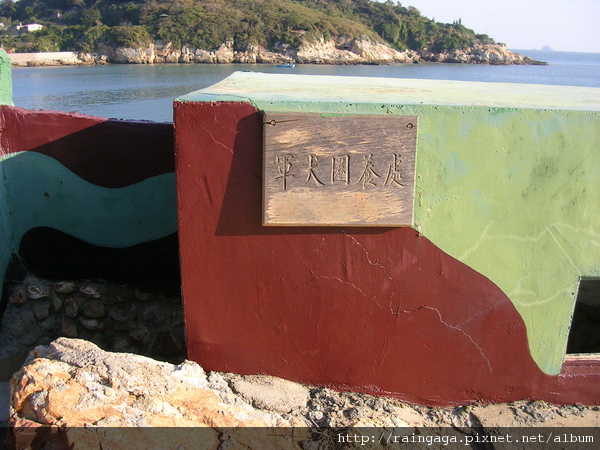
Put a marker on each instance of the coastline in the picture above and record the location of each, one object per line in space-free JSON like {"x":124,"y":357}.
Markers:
{"x":354,"y":52}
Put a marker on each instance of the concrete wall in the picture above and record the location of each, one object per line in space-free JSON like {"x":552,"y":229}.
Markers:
{"x":472,"y":303}
{"x":513,"y":193}
{"x":41,"y":59}
{"x":5,"y":228}
{"x":102,"y":182}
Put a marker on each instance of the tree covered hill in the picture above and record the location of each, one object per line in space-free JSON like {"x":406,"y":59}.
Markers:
{"x":82,"y":25}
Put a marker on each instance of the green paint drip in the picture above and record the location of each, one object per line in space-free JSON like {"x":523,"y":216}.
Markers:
{"x":508,"y":178}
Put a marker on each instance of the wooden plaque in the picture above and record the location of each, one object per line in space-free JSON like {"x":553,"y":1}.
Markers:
{"x":338,"y":170}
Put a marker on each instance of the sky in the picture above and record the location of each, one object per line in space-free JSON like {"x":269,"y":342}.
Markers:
{"x":564,"y":25}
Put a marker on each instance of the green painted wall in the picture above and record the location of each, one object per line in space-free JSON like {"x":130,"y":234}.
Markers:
{"x":508,"y":178}
{"x":514,"y":194}
{"x":5,"y":79}
{"x":5,"y":228}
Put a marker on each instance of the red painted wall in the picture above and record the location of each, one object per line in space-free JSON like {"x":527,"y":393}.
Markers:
{"x":107,"y":152}
{"x":368,"y":309}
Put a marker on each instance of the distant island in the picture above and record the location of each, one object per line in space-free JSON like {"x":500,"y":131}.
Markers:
{"x":545,"y":48}
{"x":242,"y":31}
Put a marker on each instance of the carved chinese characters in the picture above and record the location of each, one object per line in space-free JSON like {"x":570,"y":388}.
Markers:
{"x":338,"y":170}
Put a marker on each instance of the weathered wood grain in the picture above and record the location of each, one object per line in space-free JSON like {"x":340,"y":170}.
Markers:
{"x":338,"y":170}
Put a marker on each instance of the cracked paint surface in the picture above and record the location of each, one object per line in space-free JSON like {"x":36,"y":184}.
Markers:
{"x":508,"y":178}
{"x":515,"y":197}
{"x":373,"y":310}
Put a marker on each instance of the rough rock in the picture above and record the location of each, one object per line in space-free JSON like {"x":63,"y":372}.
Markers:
{"x":17,"y":295}
{"x":71,"y":307}
{"x":325,"y":52}
{"x":266,"y":392}
{"x":76,"y":395}
{"x":224,"y":54}
{"x":380,"y":53}
{"x":342,"y":50}
{"x":93,"y":308}
{"x":205,"y":57}
{"x":92,"y":324}
{"x":73,"y":383}
{"x":36,"y":290}
{"x":112,"y":316}
{"x":68,"y":328}
{"x":89,"y":290}
{"x":122,"y":312}
{"x":64,"y":287}
{"x":41,"y":309}
{"x":494,"y":54}
{"x":126,"y":55}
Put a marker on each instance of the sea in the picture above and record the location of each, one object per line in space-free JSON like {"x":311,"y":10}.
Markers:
{"x":146,"y":92}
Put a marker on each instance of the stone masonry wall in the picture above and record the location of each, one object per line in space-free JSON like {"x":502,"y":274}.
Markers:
{"x":120,"y":318}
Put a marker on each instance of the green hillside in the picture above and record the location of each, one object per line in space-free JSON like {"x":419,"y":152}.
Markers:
{"x":80,"y":25}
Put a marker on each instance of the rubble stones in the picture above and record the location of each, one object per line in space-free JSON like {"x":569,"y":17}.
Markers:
{"x":140,"y":336}
{"x":48,"y":325}
{"x":41,"y":309}
{"x":69,"y":328}
{"x":17,"y":295}
{"x":90,"y":291}
{"x":118,"y":294}
{"x":64,"y":287}
{"x":122,"y":312}
{"x":166,"y":344}
{"x":36,"y":293}
{"x":77,"y":391}
{"x":177,"y":317}
{"x":93,"y":309}
{"x":152,"y":314}
{"x":117,"y":317}
{"x":71,"y":307}
{"x":57,"y":302}
{"x":142,"y":295}
{"x":92,"y":324}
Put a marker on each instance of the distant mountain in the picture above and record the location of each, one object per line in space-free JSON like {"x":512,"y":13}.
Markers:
{"x":545,"y":48}
{"x":83,"y":25}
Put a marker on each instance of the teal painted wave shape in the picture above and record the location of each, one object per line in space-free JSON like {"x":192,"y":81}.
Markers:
{"x":38,"y":191}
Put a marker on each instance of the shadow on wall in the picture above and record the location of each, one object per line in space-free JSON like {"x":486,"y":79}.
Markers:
{"x":88,"y":197}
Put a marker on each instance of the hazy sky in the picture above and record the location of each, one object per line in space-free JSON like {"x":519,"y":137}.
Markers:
{"x":571,"y":25}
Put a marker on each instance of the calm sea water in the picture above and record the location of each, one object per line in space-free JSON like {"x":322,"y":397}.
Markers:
{"x":147,"y":91}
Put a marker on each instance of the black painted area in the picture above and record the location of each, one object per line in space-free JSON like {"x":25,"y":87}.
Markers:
{"x":584,"y":336}
{"x":49,"y":253}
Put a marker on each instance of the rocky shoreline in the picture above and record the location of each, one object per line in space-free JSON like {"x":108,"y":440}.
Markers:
{"x":75,"y":395}
{"x":335,"y":51}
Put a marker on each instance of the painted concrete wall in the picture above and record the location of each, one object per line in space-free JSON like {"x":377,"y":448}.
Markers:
{"x":105,"y":182}
{"x":5,"y":228}
{"x":5,"y":79}
{"x":507,"y":182}
{"x":513,"y":194}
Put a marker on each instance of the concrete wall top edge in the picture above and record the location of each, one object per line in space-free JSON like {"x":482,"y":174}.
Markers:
{"x":285,"y":91}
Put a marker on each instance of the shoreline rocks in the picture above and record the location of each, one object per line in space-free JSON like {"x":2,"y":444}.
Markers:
{"x":76,"y":395}
{"x":337,"y":51}
{"x":118,"y":317}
